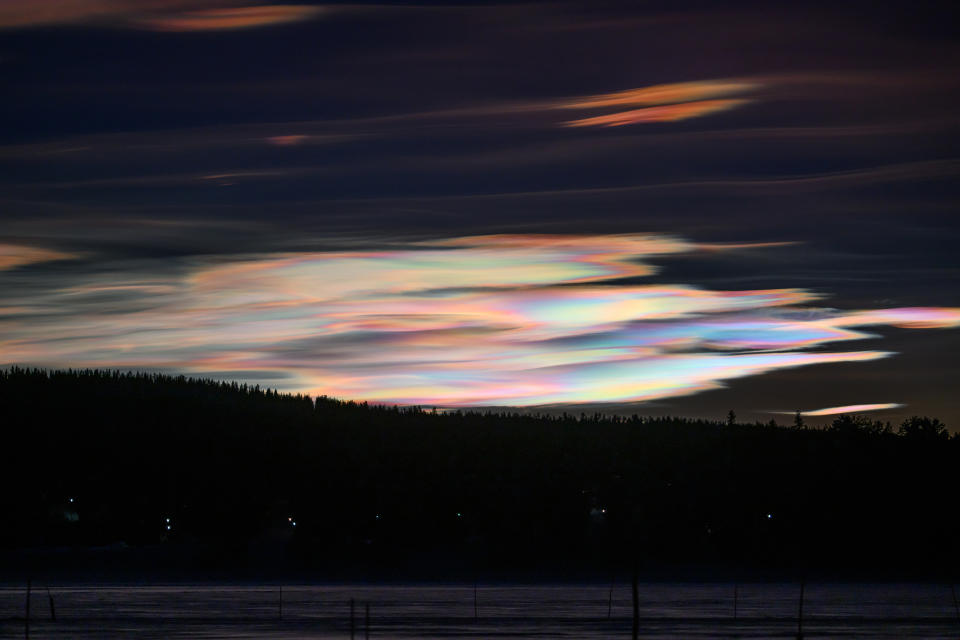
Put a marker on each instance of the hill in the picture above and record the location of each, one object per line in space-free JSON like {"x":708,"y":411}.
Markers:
{"x":249,"y":476}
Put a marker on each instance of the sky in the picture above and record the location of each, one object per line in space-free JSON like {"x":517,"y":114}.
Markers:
{"x":638,"y":207}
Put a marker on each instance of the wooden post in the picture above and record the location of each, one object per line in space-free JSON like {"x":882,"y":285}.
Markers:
{"x":366,"y":621}
{"x":26,"y":616}
{"x":956,"y":608}
{"x":803,"y":584}
{"x":353,"y":628}
{"x":53,"y":611}
{"x":635,"y":588}
{"x":736,"y":594}
{"x":610,"y":600}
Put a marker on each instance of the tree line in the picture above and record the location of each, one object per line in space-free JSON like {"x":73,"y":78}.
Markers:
{"x":97,"y":457}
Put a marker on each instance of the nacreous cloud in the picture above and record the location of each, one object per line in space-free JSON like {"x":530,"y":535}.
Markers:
{"x":672,"y":93}
{"x":15,"y":255}
{"x":661,"y":103}
{"x":852,"y":408}
{"x":663,"y":113}
{"x":477,"y":321}
{"x":230,"y":18}
{"x":160,"y":15}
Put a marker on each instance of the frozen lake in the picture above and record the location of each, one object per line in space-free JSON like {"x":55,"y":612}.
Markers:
{"x":503,"y":611}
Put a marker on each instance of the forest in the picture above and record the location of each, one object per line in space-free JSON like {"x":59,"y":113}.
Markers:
{"x":235,"y":476}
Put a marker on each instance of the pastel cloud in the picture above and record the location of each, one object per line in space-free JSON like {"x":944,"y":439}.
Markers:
{"x":664,"y":113}
{"x":672,"y":93}
{"x":14,"y":255}
{"x":661,"y":103}
{"x":289,"y":140}
{"x":852,"y":408}
{"x":230,"y":18}
{"x":519,"y":320}
{"x":160,"y":15}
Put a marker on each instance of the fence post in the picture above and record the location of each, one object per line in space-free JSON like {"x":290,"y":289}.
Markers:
{"x":803,"y":584}
{"x":53,"y":611}
{"x":26,"y":616}
{"x":736,"y":596}
{"x":956,"y":607}
{"x":610,"y":600}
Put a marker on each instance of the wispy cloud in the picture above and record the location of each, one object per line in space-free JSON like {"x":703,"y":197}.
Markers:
{"x":851,"y":408}
{"x":664,"y":113}
{"x":672,"y":93}
{"x":159,"y":15}
{"x":14,"y":255}
{"x":230,"y":18}
{"x":661,"y":103}
{"x":517,"y":320}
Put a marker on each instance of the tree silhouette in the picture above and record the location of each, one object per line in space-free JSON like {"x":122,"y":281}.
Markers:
{"x":230,"y":463}
{"x":924,"y":428}
{"x":798,"y":421}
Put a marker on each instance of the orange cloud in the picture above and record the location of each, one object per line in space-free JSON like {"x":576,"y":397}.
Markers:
{"x":660,"y":103}
{"x":13,"y":255}
{"x":664,"y":113}
{"x":662,"y":94}
{"x":286,"y":141}
{"x":29,"y":13}
{"x":231,"y":18}
{"x":159,"y":15}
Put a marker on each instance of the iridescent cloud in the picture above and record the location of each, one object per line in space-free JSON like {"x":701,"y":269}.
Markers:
{"x":160,"y":15}
{"x":664,"y":113}
{"x":14,"y":255}
{"x":852,"y":408}
{"x":517,"y":320}
{"x":672,"y":93}
{"x":661,"y":103}
{"x":230,"y":18}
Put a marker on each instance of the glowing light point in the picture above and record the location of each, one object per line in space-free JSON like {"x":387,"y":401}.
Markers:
{"x":769,"y":516}
{"x":168,"y":527}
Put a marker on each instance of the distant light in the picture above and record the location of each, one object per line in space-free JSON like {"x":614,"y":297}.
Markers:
{"x":378,"y":516}
{"x":289,"y":519}
{"x":769,"y":515}
{"x":168,"y":520}
{"x":294,"y":523}
{"x":168,"y":527}
{"x":71,"y":499}
{"x":459,"y":515}
{"x":603,"y":510}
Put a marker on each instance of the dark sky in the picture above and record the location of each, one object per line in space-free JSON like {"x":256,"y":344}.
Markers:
{"x":662,"y":207}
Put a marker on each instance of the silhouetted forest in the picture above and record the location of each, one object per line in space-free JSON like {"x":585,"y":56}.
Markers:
{"x":244,"y":474}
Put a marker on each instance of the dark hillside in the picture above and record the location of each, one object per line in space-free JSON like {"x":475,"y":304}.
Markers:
{"x":234,"y":467}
